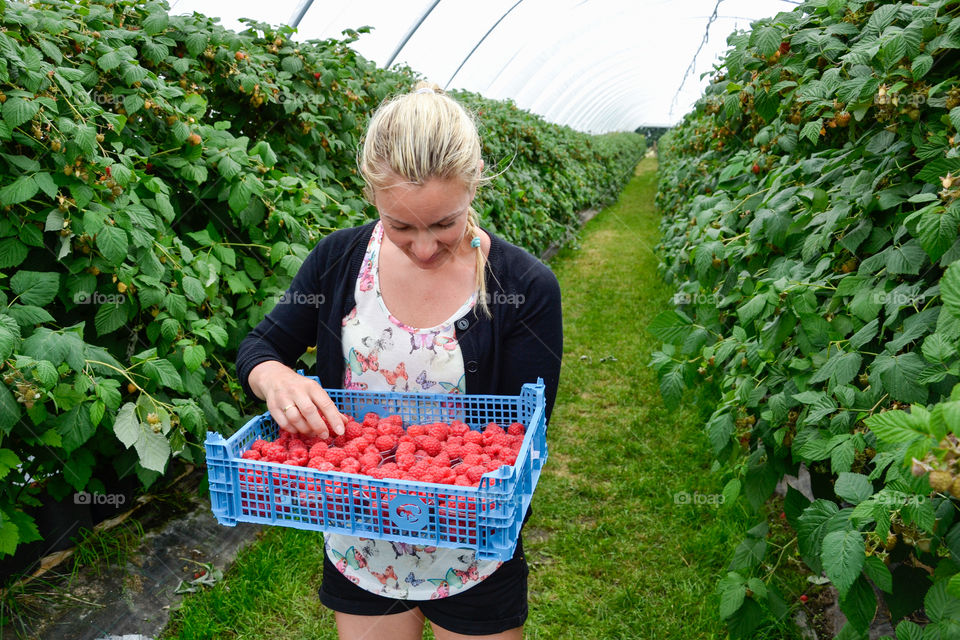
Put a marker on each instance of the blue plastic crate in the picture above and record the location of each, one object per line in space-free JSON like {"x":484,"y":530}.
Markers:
{"x":485,"y":518}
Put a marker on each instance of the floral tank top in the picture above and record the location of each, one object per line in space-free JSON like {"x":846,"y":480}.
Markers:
{"x":383,"y":354}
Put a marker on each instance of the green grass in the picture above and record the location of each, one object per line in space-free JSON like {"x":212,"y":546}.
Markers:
{"x":612,"y":554}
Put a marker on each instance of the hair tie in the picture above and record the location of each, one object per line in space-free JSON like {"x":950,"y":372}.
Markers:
{"x":424,"y":90}
{"x":475,"y":243}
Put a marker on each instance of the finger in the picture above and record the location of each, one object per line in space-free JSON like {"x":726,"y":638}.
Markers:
{"x":313,"y":420}
{"x":295,"y":423}
{"x":331,"y":414}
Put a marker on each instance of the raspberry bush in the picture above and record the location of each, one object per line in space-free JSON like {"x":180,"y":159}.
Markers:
{"x":810,"y":225}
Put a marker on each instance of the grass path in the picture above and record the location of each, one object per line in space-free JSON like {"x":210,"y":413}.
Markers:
{"x":612,"y":555}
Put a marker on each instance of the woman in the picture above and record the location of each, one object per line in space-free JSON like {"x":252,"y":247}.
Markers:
{"x":424,"y":300}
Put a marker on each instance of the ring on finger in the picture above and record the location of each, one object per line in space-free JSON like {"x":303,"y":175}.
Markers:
{"x":284,"y":409}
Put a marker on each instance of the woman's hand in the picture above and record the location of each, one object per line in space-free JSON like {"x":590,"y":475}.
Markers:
{"x":297,"y":403}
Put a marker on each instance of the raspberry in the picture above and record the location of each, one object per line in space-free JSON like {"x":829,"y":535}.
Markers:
{"x":371,"y":448}
{"x":386,"y":442}
{"x":299,"y":460}
{"x":474,"y":437}
{"x":501,"y":439}
{"x":321,"y":464}
{"x":417,"y":430}
{"x":371,"y":460}
{"x":350,"y":465}
{"x":371,"y":419}
{"x":473,"y":473}
{"x":251,"y":454}
{"x":258,"y":444}
{"x":454,"y":441}
{"x":353,"y":430}
{"x":516,"y":429}
{"x":430,"y":444}
{"x":406,"y":461}
{"x":442,"y":459}
{"x":458,"y":428}
{"x":508,"y":457}
{"x":462,"y":481}
{"x":493,"y":427}
{"x":335,"y":456}
{"x":340,"y":441}
{"x":453,"y":451}
{"x":472,"y":447}
{"x":438,"y":430}
{"x":406,"y":447}
{"x":318,"y":449}
{"x":493,"y":450}
{"x":471,"y":459}
{"x":391,"y":424}
{"x":352,"y":450}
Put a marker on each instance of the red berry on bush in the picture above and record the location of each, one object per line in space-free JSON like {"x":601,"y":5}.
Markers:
{"x":803,"y":598}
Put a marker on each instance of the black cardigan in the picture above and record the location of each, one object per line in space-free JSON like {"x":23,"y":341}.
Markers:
{"x":521,"y":342}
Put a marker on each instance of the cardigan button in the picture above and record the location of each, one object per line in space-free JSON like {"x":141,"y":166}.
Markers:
{"x":463,"y":323}
{"x":472,"y":366}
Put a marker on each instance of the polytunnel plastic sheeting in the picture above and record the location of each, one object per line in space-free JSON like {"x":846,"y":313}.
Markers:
{"x":596,"y":65}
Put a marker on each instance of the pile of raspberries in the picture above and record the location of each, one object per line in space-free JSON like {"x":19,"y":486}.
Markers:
{"x":381,"y":448}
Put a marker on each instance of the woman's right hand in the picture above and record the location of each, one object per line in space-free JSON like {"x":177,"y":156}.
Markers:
{"x":298,"y":404}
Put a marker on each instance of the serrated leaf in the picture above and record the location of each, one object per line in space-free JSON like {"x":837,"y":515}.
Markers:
{"x":36,"y":288}
{"x":842,"y":556}
{"x":193,"y":356}
{"x":193,"y":289}
{"x":113,"y":243}
{"x":896,"y":426}
{"x":110,"y":317}
{"x":670,"y":326}
{"x":853,"y":487}
{"x":126,"y":426}
{"x":153,"y":449}
{"x":21,"y":190}
{"x":950,"y":289}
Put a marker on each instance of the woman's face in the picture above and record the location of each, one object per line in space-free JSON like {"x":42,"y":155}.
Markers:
{"x":426,"y":222}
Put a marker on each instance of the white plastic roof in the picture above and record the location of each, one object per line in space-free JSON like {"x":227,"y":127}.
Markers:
{"x":596,"y":65}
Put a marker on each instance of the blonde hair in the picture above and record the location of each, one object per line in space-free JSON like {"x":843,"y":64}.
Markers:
{"x":421,"y":135}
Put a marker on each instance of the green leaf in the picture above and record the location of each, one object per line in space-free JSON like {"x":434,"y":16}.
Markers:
{"x":17,"y":110}
{"x":9,"y":535}
{"x":940,"y":605}
{"x":193,"y":357}
{"x":126,"y":426}
{"x":896,"y":426}
{"x":877,"y":570}
{"x":731,"y":596}
{"x":670,"y":326}
{"x":859,"y":604}
{"x":8,"y":460}
{"x":194,"y":290}
{"x":164,"y":373}
{"x":155,"y":22}
{"x":75,"y":427}
{"x":843,"y":554}
{"x":110,"y":317}
{"x":35,"y":287}
{"x":113,"y":243}
{"x":153,"y":449}
{"x":950,"y":289}
{"x":768,"y":40}
{"x":21,"y":190}
{"x":79,"y":468}
{"x":853,"y":487}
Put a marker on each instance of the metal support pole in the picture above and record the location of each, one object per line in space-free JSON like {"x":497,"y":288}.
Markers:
{"x":413,"y":30}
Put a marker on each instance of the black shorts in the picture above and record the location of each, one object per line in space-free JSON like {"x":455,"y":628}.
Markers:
{"x":494,"y":605}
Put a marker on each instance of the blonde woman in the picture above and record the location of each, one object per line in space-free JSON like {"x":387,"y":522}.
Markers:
{"x":422,"y":299}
